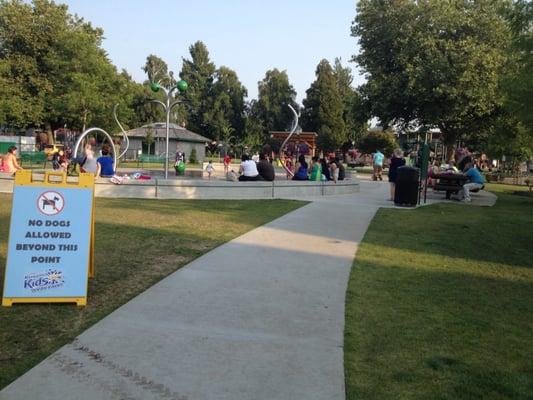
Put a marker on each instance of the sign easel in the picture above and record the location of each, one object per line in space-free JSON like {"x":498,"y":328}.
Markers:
{"x":51,"y":240}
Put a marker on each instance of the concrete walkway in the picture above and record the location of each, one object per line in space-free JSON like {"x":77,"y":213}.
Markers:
{"x":260,"y":317}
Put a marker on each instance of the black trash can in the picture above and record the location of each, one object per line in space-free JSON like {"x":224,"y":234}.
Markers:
{"x":406,"y":191}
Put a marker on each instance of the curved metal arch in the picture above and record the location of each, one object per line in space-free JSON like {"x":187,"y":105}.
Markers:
{"x":293,"y":129}
{"x":82,"y":136}
{"x":126,"y":139}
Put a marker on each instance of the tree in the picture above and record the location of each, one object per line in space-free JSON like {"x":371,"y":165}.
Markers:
{"x":518,"y":82}
{"x":275,"y":93}
{"x":433,"y":63}
{"x":149,"y":138}
{"x":228,"y":106}
{"x":199,"y":73}
{"x":157,"y":70}
{"x":355,"y":115}
{"x":378,"y":140}
{"x":53,"y":70}
{"x":324,"y":109}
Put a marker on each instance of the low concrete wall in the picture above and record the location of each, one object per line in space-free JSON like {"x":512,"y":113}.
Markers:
{"x":210,"y":189}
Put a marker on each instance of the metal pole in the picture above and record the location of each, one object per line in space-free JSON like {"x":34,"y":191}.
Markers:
{"x":168,"y":134}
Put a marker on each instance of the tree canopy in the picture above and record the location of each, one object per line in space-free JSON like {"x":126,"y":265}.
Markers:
{"x":53,"y":69}
{"x":433,"y":63}
{"x":324,"y":109}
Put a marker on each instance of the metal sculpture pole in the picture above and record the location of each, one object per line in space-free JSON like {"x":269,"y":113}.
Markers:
{"x":293,"y":129}
{"x":168,"y":105}
{"x":82,"y":136}
{"x":90,"y":130}
{"x":126,"y":138}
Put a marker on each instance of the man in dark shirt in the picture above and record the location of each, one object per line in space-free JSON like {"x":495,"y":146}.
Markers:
{"x":265,"y":168}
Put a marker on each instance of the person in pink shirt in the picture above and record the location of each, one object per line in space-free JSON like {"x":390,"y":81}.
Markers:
{"x":10,"y":161}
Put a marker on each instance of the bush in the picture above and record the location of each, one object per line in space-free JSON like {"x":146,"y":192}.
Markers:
{"x":192,"y":157}
{"x":384,"y":141}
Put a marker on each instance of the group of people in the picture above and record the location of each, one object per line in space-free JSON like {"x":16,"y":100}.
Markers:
{"x":465,"y":166}
{"x":102,"y":166}
{"x":321,"y":169}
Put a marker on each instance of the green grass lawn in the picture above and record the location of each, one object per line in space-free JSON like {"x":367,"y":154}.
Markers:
{"x":138,"y":242}
{"x":440,"y":303}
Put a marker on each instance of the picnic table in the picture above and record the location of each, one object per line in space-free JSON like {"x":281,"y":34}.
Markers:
{"x":449,"y":182}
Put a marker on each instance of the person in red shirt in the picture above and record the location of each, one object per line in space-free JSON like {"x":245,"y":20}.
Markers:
{"x":227,"y":162}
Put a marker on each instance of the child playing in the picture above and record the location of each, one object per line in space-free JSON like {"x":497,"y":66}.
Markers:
{"x":210,"y":169}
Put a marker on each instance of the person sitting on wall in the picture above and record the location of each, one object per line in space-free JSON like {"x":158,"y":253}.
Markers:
{"x":301,"y":169}
{"x":105,"y":164}
{"x":248,"y":169}
{"x":325,"y":169}
{"x":316,"y":170}
{"x":265,"y":168}
{"x":10,"y":163}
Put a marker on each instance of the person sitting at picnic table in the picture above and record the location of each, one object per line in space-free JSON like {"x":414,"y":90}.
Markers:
{"x":105,"y":164}
{"x":248,"y":169}
{"x":10,"y":163}
{"x":265,"y":168}
{"x":301,"y":169}
{"x":476,"y":182}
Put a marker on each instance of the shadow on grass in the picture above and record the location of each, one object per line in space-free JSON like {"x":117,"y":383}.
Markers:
{"x":499,"y":234}
{"x":134,"y":249}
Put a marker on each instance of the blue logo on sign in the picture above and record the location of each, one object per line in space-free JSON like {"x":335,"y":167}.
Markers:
{"x":38,"y":281}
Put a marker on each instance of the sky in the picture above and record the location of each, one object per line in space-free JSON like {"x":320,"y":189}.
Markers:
{"x":249,"y":37}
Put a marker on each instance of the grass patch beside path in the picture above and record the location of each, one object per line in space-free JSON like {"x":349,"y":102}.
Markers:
{"x":138,"y":242}
{"x":440,"y":303}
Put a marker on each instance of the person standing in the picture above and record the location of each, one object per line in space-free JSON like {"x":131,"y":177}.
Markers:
{"x":378,"y":165}
{"x":210,"y":169}
{"x":227,"y":162}
{"x":11,"y":164}
{"x":396,"y":161}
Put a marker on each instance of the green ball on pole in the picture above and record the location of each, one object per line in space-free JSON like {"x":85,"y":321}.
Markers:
{"x":155,"y":87}
{"x":182,"y":86}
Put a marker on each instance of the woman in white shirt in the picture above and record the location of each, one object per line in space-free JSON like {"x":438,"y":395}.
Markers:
{"x":248,"y":170}
{"x":90,"y":161}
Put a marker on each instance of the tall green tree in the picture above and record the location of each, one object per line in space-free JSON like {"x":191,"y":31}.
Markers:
{"x":324,"y":109}
{"x":199,"y":73}
{"x":433,"y":62}
{"x":227,"y":103}
{"x":354,"y":113}
{"x":518,"y":83}
{"x":157,"y":70}
{"x":275,"y":93}
{"x":53,"y":69}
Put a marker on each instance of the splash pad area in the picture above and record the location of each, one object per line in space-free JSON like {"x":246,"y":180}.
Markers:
{"x":194,"y":185}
